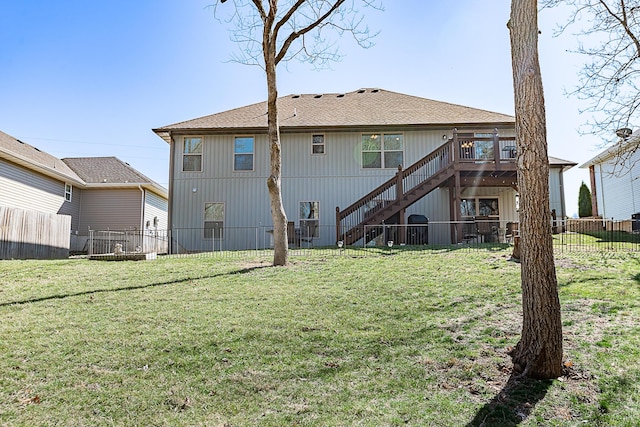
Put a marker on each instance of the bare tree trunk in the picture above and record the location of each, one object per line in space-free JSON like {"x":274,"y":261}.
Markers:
{"x":274,"y":181}
{"x":538,"y":354}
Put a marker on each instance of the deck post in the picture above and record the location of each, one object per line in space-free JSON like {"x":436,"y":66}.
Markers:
{"x":456,"y":146}
{"x":497,"y":154}
{"x":399,"y":178}
{"x":456,"y":209}
{"x":338,"y":224}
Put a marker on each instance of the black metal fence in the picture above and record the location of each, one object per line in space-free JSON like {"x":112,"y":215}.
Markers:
{"x":568,"y":235}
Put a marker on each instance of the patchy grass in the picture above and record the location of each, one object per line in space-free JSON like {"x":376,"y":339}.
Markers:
{"x":403,"y":338}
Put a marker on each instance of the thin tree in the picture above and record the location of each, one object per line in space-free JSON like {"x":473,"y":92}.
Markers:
{"x":275,"y":31}
{"x":538,"y":354}
{"x":609,"y":82}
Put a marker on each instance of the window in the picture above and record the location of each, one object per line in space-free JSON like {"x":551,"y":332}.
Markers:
{"x":192,"y":154}
{"x":243,"y":153}
{"x":479,"y":207}
{"x":317,"y":144}
{"x":468,"y":207}
{"x":68,"y":192}
{"x":382,"y":151}
{"x":488,"y":207}
{"x":213,"y":220}
{"x":309,"y":219}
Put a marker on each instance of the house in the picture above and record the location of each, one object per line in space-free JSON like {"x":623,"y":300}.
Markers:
{"x":350,"y":162}
{"x":94,"y":193}
{"x":614,"y":174}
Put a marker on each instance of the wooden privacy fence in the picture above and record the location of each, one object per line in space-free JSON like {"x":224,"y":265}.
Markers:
{"x":33,"y":235}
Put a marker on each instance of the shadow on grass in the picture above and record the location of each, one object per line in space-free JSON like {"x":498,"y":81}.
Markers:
{"x":513,"y":404}
{"x":129,"y":288}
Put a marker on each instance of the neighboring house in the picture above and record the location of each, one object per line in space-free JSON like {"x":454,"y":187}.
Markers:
{"x":615,"y":180}
{"x":443,"y":161}
{"x":98,"y":193}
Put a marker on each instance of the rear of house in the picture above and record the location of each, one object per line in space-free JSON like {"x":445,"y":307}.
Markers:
{"x":336,"y":148}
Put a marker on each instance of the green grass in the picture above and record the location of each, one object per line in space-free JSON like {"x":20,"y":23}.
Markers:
{"x":410,"y":338}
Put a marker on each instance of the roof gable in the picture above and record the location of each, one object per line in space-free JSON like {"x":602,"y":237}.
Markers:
{"x":364,"y":107}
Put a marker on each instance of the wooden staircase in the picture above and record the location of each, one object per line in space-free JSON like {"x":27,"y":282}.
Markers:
{"x":394,"y":196}
{"x":466,"y":160}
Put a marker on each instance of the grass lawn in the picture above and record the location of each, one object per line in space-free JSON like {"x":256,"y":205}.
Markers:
{"x":406,"y":338}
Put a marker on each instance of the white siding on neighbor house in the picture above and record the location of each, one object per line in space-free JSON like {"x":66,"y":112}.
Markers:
{"x":25,"y":189}
{"x":618,"y":191}
{"x":111,"y":209}
{"x":335,"y":178}
{"x":556,"y":192}
{"x":155,"y":207}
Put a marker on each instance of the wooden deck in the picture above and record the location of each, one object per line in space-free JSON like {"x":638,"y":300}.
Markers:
{"x":463,"y":161}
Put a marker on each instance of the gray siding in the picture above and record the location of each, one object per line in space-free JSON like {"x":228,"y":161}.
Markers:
{"x":25,"y":189}
{"x":111,"y":209}
{"x":335,"y":178}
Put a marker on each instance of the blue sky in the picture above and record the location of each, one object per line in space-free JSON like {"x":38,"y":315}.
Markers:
{"x":81,"y":78}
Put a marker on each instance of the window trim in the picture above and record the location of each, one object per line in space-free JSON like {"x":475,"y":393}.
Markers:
{"x":314,"y":144}
{"x":201,"y":154}
{"x":204,"y":222}
{"x":253,"y":154}
{"x":68,"y":192}
{"x":382,"y":150}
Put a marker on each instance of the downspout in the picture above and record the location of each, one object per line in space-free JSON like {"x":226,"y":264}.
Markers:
{"x":141,"y":209}
{"x":172,"y":150}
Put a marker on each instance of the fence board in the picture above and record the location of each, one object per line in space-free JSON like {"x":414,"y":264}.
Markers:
{"x":33,"y":235}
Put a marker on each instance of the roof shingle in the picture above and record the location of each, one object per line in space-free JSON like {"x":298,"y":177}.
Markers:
{"x":364,"y":107}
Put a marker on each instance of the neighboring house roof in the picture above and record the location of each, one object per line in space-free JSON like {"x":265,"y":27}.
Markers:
{"x":30,"y":157}
{"x":101,"y":172}
{"x":620,"y":150}
{"x":364,"y":107}
{"x":563,"y":164}
{"x":84,"y":172}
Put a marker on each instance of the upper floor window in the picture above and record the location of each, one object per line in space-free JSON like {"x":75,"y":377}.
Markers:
{"x":317,"y":144}
{"x":382,"y":151}
{"x":192,"y":154}
{"x":243,"y":149}
{"x":68,"y":192}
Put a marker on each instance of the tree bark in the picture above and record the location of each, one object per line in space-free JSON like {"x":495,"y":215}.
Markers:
{"x":274,"y":181}
{"x":538,"y":354}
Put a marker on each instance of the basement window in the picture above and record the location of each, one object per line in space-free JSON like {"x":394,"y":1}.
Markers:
{"x":213,"y":220}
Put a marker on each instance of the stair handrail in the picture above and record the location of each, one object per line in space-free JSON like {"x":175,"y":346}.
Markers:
{"x":444,"y":152}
